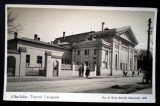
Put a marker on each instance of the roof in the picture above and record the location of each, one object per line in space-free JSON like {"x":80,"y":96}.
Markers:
{"x":105,"y":32}
{"x":38,"y":42}
{"x":117,"y":31}
{"x":82,"y":36}
{"x":74,"y":38}
{"x":13,"y":51}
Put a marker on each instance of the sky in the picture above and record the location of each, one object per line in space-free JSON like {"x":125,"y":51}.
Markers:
{"x":50,"y":23}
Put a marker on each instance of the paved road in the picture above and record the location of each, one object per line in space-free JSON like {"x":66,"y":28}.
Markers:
{"x":75,"y":85}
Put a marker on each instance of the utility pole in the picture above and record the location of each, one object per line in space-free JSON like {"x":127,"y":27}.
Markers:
{"x":148,"y":49}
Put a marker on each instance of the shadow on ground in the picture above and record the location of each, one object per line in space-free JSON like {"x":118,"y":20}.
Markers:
{"x":124,"y":89}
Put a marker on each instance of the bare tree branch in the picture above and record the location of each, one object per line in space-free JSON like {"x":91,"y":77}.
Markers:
{"x":12,"y":25}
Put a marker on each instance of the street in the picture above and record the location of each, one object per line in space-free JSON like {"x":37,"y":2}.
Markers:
{"x":70,"y":86}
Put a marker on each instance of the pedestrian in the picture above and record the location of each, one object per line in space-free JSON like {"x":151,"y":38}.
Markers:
{"x":125,"y":74}
{"x":132,"y":73}
{"x":87,"y":72}
{"x":80,"y":71}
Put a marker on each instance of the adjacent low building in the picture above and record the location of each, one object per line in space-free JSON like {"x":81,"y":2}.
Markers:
{"x":106,"y":52}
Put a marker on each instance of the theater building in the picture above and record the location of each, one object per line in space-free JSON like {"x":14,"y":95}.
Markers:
{"x":106,"y":52}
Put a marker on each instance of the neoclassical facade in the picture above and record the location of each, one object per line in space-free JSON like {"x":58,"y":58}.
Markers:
{"x":111,"y":49}
{"x":106,"y":52}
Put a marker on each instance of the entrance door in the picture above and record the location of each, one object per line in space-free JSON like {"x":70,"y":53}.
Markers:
{"x":55,"y":68}
{"x":11,"y":62}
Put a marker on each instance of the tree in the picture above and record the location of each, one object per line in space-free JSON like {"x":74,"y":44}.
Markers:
{"x":12,"y":25}
{"x":142,"y":64}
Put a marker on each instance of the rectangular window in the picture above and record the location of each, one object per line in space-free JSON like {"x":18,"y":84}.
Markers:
{"x":86,"y":52}
{"x":62,"y":61}
{"x":78,"y":52}
{"x":67,"y":61}
{"x":39,"y":60}
{"x":95,"y":51}
{"x":27,"y":60}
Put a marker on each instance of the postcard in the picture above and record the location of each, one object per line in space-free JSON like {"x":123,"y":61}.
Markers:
{"x":80,"y":53}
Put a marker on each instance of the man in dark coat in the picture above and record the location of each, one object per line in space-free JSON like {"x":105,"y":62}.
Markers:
{"x":87,"y":72}
{"x":80,"y":71}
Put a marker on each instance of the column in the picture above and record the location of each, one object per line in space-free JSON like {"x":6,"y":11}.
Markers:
{"x":135,"y":63}
{"x":100,"y":62}
{"x":119,"y":56}
{"x":108,"y":61}
{"x":73,"y":55}
{"x":59,"y":66}
{"x":112,"y":58}
{"x":100,"y":56}
{"x":129,"y":58}
{"x":95,"y":70}
{"x":22,"y":69}
{"x":133,"y":60}
{"x":84,"y":69}
{"x":73,"y":69}
{"x":48,"y":64}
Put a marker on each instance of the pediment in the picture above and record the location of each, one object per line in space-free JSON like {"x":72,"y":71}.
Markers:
{"x":127,"y":34}
{"x":126,"y":37}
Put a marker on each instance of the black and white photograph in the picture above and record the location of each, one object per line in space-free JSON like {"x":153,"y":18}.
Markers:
{"x":79,"y":53}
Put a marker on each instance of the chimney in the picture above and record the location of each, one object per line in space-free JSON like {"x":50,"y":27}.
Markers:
{"x":35,"y":37}
{"x":15,"y":35}
{"x":63,"y":35}
{"x":39,"y":38}
{"x":103,"y":26}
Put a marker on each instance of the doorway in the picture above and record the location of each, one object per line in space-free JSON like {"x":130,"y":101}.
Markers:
{"x":55,"y":68}
{"x":11,"y":62}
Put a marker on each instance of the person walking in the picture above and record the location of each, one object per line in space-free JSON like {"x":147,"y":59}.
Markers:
{"x":132,"y":73}
{"x":87,"y":72}
{"x":80,"y":71}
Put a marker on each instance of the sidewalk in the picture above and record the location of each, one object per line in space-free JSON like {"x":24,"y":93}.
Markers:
{"x":73,"y":84}
{"x":43,"y":78}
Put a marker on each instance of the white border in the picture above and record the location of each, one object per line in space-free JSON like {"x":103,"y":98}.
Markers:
{"x":82,"y":7}
{"x":81,"y":97}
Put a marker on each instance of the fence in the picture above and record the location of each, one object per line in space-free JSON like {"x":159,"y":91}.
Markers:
{"x":66,"y":67}
{"x":10,"y":71}
{"x":77,"y":67}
